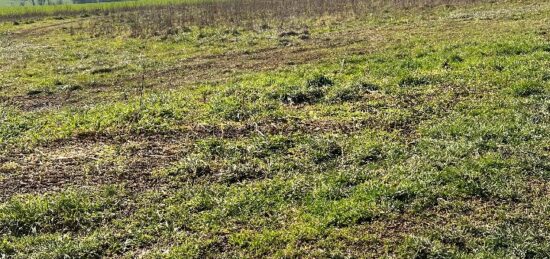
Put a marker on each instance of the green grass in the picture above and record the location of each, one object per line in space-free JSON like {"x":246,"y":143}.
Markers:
{"x":429,"y":138}
{"x":44,"y":10}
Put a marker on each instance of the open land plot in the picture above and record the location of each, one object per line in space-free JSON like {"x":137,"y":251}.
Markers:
{"x":307,"y":129}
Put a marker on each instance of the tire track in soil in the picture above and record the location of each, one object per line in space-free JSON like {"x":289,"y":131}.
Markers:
{"x":42,"y":173}
{"x":48,"y":167}
{"x":41,"y":30}
{"x":212,"y":69}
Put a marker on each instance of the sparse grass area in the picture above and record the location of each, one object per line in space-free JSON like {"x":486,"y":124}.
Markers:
{"x":410,"y":133}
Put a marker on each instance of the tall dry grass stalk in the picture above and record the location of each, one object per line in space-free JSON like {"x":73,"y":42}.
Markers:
{"x":169,"y":19}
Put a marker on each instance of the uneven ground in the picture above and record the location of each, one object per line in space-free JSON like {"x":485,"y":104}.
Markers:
{"x":419,"y":132}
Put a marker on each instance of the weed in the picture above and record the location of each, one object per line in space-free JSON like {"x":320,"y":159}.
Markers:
{"x":298,"y":95}
{"x":525,"y":89}
{"x":414,"y":81}
{"x":320,"y":81}
{"x":67,"y":211}
{"x":353,"y":92}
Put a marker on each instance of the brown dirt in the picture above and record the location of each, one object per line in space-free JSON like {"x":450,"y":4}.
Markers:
{"x":42,"y":30}
{"x":84,"y":163}
{"x":441,"y":218}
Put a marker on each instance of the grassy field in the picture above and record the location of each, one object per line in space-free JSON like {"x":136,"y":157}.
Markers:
{"x":312,"y":129}
{"x":11,"y":11}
